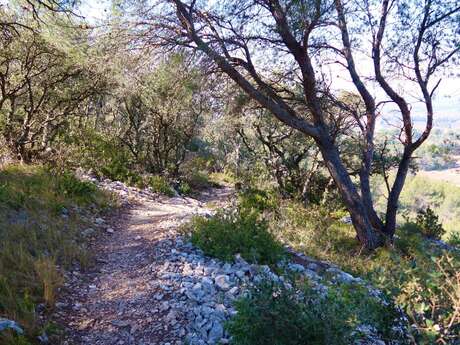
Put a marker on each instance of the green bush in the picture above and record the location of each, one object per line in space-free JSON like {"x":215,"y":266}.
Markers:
{"x":195,"y":172}
{"x":454,"y":239}
{"x":227,"y":234}
{"x":414,"y":272}
{"x":256,"y":200}
{"x":106,"y":156}
{"x":224,"y":177}
{"x":198,"y":180}
{"x":199,"y":163}
{"x":184,"y":188}
{"x":273,"y":313}
{"x":161,"y":185}
{"x":428,"y":223}
{"x":428,"y":291}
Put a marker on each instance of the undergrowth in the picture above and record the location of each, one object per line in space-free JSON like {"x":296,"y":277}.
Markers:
{"x":296,"y":313}
{"x":40,"y":221}
{"x":421,"y":277}
{"x":161,"y":185}
{"x":416,"y":274}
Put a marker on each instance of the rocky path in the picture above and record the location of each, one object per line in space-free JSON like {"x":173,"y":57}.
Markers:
{"x":133,"y":294}
{"x":150,"y":286}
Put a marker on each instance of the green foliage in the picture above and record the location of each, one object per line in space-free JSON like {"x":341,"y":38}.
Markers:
{"x":428,"y":291}
{"x":161,"y":185}
{"x":72,"y":187}
{"x":195,"y":172}
{"x":254,"y":200}
{"x":11,"y":198}
{"x":230,"y":233}
{"x":40,"y":234}
{"x":224,"y":177}
{"x":162,"y":113}
{"x":421,"y":192}
{"x":454,"y":238}
{"x":428,"y":223}
{"x":37,"y":102}
{"x":199,"y":163}
{"x":198,"y":180}
{"x":104,"y":155}
{"x":184,"y":188}
{"x":414,"y":273}
{"x":273,"y":313}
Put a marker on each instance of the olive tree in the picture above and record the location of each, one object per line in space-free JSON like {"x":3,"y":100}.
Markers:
{"x":162,"y":114}
{"x":266,"y":45}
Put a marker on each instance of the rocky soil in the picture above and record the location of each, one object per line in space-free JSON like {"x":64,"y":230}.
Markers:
{"x":151,"y":286}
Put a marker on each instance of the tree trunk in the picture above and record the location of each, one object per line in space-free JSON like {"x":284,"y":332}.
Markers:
{"x":369,"y":237}
{"x":366,"y":197}
{"x":393,"y":197}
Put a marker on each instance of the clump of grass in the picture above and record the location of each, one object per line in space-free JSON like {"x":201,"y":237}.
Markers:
{"x":80,"y":191}
{"x":41,"y":236}
{"x":50,"y":278}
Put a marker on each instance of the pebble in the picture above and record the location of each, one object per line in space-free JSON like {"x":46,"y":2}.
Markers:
{"x":222,"y":282}
{"x":99,"y":221}
{"x":88,"y":232}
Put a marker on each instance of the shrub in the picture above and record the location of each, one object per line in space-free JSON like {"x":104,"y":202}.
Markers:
{"x":184,"y":188}
{"x":106,"y":156}
{"x":195,"y":172}
{"x":199,"y":163}
{"x":227,"y":234}
{"x":409,"y":271}
{"x":161,"y":185}
{"x":428,"y":223}
{"x":224,"y":177}
{"x":429,"y":291}
{"x":454,"y":239}
{"x":198,"y":180}
{"x":256,"y":200}
{"x":274,"y":313}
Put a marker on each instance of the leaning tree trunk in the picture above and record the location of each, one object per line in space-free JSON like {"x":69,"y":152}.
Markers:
{"x":368,"y":235}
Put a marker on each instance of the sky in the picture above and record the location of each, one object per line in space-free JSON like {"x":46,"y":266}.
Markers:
{"x":446,"y":102}
{"x":94,"y":10}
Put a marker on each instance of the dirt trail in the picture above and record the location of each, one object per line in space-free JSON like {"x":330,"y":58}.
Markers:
{"x":120,"y":300}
